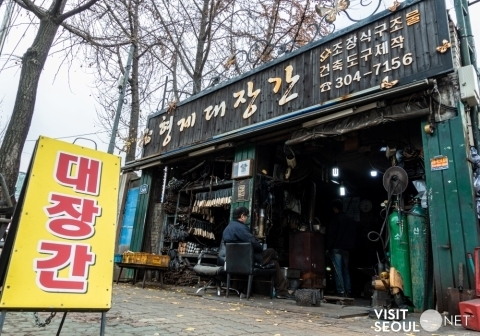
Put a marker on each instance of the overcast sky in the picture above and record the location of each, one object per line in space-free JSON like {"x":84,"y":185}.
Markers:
{"x":65,"y":107}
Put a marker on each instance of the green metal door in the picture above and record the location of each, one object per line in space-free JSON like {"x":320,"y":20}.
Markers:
{"x":452,"y":208}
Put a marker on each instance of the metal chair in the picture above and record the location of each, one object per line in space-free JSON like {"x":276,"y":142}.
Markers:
{"x":216,"y":273}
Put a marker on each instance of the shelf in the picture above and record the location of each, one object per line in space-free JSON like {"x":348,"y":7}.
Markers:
{"x":207,"y":186}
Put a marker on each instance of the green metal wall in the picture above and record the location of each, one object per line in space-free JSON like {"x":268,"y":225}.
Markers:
{"x":243,"y":153}
{"x":453,"y":222}
{"x":141,"y":213}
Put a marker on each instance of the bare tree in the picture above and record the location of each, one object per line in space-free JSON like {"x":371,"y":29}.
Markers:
{"x":195,"y":38}
{"x":195,"y":44}
{"x":212,"y":40}
{"x":117,"y":22}
{"x":33,"y":62}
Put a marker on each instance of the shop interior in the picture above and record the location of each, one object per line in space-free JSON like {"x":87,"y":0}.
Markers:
{"x":293,"y":191}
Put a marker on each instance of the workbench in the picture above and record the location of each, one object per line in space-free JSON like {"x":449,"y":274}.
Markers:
{"x":137,"y":267}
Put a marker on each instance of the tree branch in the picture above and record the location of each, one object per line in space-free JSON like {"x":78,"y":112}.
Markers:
{"x":56,"y":7}
{"x":91,"y":39}
{"x":28,"y":5}
{"x":74,"y":11}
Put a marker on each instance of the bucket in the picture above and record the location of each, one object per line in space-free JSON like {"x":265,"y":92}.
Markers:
{"x":290,"y":273}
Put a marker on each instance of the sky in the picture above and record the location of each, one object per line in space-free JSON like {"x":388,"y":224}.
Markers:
{"x":65,"y":107}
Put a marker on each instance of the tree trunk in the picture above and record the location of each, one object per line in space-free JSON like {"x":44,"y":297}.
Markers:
{"x":33,"y":62}
{"x":176,"y":94}
{"x":135,"y":112}
{"x":202,"y":38}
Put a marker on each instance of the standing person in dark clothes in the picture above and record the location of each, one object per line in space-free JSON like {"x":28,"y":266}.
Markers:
{"x":237,"y":232}
{"x":340,"y":240}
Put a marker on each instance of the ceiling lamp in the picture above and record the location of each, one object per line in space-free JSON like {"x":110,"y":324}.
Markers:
{"x":335,"y":170}
{"x":343,"y":191}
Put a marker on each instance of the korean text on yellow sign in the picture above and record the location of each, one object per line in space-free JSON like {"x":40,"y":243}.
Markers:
{"x":62,"y":257}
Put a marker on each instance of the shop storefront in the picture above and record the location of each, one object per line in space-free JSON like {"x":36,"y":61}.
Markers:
{"x":324,"y":122}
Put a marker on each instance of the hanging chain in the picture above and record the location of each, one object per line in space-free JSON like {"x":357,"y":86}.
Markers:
{"x":47,"y":321}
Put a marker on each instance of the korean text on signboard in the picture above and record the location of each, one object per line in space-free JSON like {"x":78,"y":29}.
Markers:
{"x":397,"y":48}
{"x":63,"y":251}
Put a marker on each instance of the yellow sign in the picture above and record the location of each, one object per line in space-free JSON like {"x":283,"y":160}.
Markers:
{"x":62,"y":257}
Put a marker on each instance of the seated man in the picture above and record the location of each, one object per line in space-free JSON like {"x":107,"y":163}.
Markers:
{"x":237,"y":232}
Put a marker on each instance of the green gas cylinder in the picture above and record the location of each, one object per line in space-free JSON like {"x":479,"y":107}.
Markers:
{"x":399,"y":249}
{"x":417,"y":234}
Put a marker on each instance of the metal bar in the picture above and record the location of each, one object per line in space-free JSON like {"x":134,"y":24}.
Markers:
{"x":111,"y":145}
{"x":5,"y":220}
{"x":2,"y":320}
{"x":473,"y":60}
{"x":103,"y":323}
{"x":473,"y":2}
{"x":61,"y":323}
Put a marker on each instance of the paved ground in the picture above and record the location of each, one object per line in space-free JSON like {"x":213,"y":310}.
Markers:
{"x":175,"y":311}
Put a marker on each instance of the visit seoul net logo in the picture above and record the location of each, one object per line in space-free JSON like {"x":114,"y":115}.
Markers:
{"x":394,"y":320}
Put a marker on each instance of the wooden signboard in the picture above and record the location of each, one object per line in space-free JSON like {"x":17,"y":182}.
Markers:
{"x":394,"y":47}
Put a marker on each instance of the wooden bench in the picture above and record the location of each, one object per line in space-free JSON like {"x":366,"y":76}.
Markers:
{"x":137,"y":267}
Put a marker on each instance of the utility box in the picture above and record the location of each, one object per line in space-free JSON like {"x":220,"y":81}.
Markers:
{"x":469,"y":91}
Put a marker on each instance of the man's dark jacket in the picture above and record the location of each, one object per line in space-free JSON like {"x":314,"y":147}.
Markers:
{"x":237,"y":232}
{"x":342,"y":233}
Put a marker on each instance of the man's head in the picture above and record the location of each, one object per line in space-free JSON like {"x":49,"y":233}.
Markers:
{"x":337,"y":205}
{"x":241,"y":214}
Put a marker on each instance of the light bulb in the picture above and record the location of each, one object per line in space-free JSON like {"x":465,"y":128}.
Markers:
{"x":373,"y":173}
{"x":342,"y":191}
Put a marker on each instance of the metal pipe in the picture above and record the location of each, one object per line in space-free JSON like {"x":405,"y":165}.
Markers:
{"x":164,"y":93}
{"x":111,"y":145}
{"x":467,"y":52}
{"x":61,"y":323}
